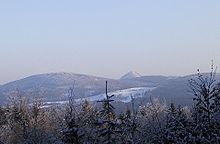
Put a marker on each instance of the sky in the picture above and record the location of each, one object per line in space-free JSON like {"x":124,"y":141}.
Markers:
{"x":108,"y":38}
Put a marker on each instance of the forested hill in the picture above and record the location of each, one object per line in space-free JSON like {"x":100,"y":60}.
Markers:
{"x":55,"y":86}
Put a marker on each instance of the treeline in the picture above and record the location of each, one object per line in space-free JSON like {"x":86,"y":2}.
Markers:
{"x":24,"y":123}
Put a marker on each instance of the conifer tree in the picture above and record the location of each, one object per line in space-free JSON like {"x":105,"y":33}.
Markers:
{"x":38,"y":126}
{"x":88,"y":116}
{"x":107,"y":122}
{"x":206,"y":101}
{"x":129,"y":126}
{"x":18,"y":118}
{"x":177,"y":129}
{"x":71,"y":134}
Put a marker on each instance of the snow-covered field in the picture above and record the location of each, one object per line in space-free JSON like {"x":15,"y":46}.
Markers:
{"x":120,"y":95}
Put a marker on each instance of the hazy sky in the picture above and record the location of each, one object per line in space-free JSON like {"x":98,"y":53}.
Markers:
{"x":108,"y":37}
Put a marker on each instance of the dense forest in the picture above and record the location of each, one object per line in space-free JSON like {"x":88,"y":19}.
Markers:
{"x":155,"y":122}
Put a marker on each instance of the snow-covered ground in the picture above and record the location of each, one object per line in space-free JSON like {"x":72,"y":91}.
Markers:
{"x":120,"y":95}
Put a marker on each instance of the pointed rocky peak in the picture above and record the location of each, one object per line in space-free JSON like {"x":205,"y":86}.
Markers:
{"x":130,"y":75}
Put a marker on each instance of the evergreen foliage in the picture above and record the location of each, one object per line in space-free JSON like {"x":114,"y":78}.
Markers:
{"x":155,"y":122}
{"x":108,"y":125}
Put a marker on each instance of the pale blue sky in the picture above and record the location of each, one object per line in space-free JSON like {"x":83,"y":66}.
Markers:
{"x":108,"y":37}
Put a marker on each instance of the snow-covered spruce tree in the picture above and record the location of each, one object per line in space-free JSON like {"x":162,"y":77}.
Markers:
{"x":72,"y":132}
{"x":152,"y":118}
{"x":129,"y":126}
{"x":125,"y":126}
{"x":3,"y":123}
{"x":177,"y":129}
{"x":206,"y":101}
{"x":38,"y":123}
{"x":88,"y":116}
{"x":17,"y":119}
{"x":107,"y":123}
{"x":2,"y":116}
{"x":134,"y":127}
{"x":56,"y":123}
{"x":217,"y":105}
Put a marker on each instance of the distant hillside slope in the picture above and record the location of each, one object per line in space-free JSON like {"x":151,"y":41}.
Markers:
{"x":177,"y":90}
{"x":55,"y":86}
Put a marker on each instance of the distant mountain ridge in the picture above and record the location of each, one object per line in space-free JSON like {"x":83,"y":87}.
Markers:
{"x":55,"y":86}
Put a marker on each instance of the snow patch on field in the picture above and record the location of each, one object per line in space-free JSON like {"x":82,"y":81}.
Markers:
{"x":120,"y":95}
